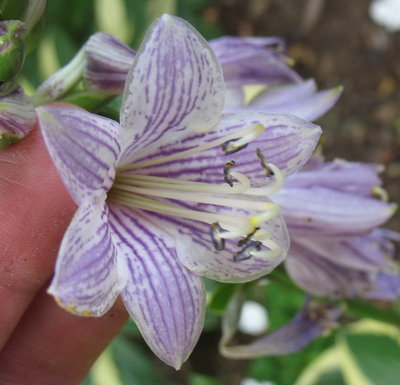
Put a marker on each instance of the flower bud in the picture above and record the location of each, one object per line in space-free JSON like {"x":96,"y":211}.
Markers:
{"x":17,"y":117}
{"x":11,"y":49}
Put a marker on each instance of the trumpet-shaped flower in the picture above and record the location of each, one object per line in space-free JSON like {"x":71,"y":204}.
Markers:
{"x":336,"y":249}
{"x":175,"y":191}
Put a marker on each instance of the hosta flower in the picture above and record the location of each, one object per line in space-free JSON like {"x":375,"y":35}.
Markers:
{"x":314,"y":319}
{"x":172,"y":192}
{"x":335,"y":250}
{"x":262,"y":61}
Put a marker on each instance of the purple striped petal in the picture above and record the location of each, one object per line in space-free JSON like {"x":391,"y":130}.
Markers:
{"x":108,"y":63}
{"x":164,"y":298}
{"x":84,"y":148}
{"x":17,"y":116}
{"x":318,"y":211}
{"x":349,"y":177}
{"x":313,"y":321}
{"x":297,"y":100}
{"x":323,"y":277}
{"x":174,"y":87}
{"x":87,"y":279}
{"x":195,"y":248}
{"x":253,"y":60}
{"x":366,"y":253}
{"x":287,"y":142}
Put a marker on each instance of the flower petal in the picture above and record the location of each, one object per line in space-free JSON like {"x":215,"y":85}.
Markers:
{"x":313,"y":321}
{"x":253,"y":60}
{"x":195,"y":248}
{"x":165,"y":299}
{"x":365,"y":253}
{"x":17,"y":116}
{"x":386,"y":288}
{"x":323,"y":277}
{"x":287,"y":142}
{"x":318,"y":211}
{"x":174,"y":87}
{"x":108,"y":63}
{"x":87,"y":279}
{"x":293,"y":99}
{"x":84,"y":148}
{"x":349,"y":177}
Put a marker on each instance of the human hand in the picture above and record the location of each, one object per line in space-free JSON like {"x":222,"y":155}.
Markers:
{"x":40,"y":343}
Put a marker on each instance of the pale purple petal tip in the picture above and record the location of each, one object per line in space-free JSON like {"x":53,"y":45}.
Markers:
{"x":299,"y":99}
{"x":164,"y":298}
{"x":108,"y":61}
{"x":86,"y":280}
{"x":83,"y":146}
{"x":253,"y":61}
{"x":175,"y":87}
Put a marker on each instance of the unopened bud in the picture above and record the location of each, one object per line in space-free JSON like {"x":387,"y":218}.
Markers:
{"x":17,"y":117}
{"x":11,"y":49}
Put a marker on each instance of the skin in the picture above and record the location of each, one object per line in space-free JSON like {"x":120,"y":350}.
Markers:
{"x":40,"y":343}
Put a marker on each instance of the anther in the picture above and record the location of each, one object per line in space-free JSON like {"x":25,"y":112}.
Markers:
{"x":246,"y":252}
{"x":268,"y":171}
{"x":227,"y":173}
{"x":215,"y":232}
{"x":247,"y":238}
{"x":229,"y":147}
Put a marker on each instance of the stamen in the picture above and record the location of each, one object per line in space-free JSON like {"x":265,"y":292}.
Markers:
{"x":247,"y":251}
{"x":228,"y":222}
{"x":268,"y":170}
{"x":231,"y":146}
{"x":247,"y":237}
{"x":244,"y":136}
{"x":237,"y":144}
{"x":227,"y":174}
{"x":218,"y":241}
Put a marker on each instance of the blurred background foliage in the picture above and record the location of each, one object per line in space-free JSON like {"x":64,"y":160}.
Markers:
{"x":336,"y":43}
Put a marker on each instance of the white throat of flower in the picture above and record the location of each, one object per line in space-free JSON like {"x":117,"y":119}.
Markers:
{"x":148,"y":193}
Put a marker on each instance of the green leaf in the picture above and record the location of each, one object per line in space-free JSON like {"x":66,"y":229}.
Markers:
{"x":220,"y":298}
{"x":134,"y":366}
{"x":375,"y":357}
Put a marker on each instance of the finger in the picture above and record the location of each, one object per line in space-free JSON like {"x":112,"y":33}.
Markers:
{"x":35,"y":211}
{"x":51,"y":346}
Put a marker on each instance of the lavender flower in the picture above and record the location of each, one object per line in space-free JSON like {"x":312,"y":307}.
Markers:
{"x":175,"y":191}
{"x":335,"y":249}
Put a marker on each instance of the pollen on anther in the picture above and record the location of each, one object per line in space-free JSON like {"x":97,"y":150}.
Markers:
{"x":246,"y":252}
{"x":227,"y":176}
{"x":268,"y":171}
{"x":229,"y":147}
{"x":247,"y":238}
{"x":218,"y":242}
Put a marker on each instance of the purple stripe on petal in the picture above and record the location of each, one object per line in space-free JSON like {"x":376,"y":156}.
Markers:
{"x":17,"y":114}
{"x":84,"y":148}
{"x":287,"y":142}
{"x":108,"y":63}
{"x":86,"y":280}
{"x":163,"y":297}
{"x":174,"y":87}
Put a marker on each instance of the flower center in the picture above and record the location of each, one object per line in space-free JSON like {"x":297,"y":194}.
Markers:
{"x":162,"y":195}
